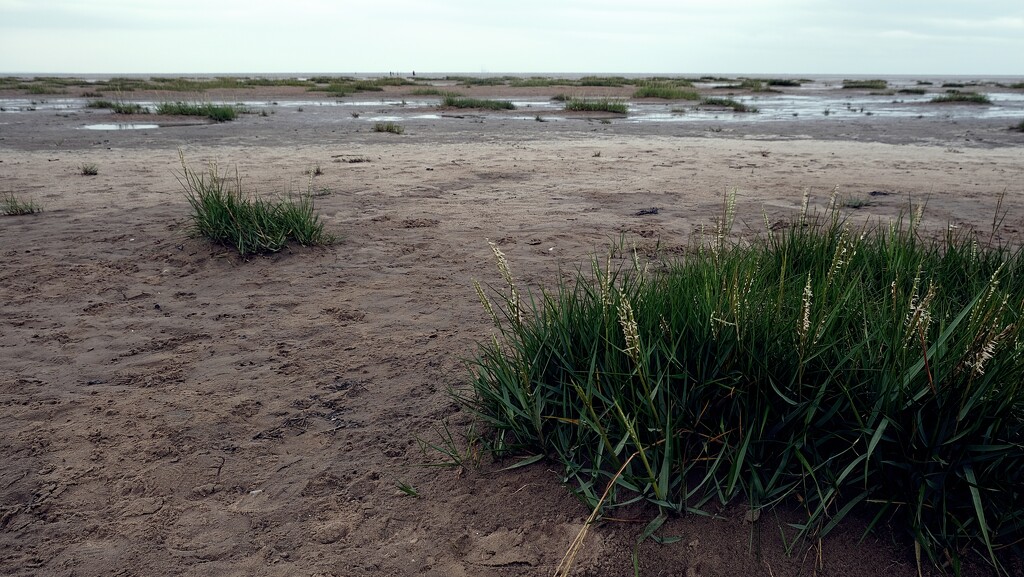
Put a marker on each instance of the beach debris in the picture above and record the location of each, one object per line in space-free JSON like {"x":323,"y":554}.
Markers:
{"x":646,"y":211}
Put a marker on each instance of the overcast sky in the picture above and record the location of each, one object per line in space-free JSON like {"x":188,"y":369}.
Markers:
{"x":984,"y":37}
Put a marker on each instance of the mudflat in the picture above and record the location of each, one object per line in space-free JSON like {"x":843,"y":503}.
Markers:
{"x":169,"y":408}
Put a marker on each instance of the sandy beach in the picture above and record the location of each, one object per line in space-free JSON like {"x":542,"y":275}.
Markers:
{"x":169,"y":408}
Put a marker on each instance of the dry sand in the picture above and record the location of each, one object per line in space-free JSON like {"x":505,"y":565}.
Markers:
{"x":170,"y":409}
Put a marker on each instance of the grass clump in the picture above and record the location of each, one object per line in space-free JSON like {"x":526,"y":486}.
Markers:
{"x":225,"y":214}
{"x":608,"y":81}
{"x":736,"y":105}
{"x":783,"y":82}
{"x":217,"y":112}
{"x":11,"y":205}
{"x":433,"y":92}
{"x":392,"y":127}
{"x":665,"y":91}
{"x":875,"y":84}
{"x":452,"y":101}
{"x":89,"y":170}
{"x":596,"y":105}
{"x":831,"y":370}
{"x":964,"y":97}
{"x":119,"y":107}
{"x":1019,"y":127}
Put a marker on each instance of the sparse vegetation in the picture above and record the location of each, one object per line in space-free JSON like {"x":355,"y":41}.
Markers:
{"x":783,"y":82}
{"x":119,"y":107}
{"x":876,"y":84}
{"x":596,"y":105}
{"x":856,"y":203}
{"x":450,"y":101}
{"x":875,"y":374}
{"x":392,"y":127}
{"x":665,"y":91}
{"x":736,"y":105}
{"x":1019,"y":127}
{"x":433,"y":92}
{"x":912,"y":91}
{"x":89,"y":170}
{"x":610,"y":81}
{"x":217,"y":112}
{"x":11,"y":205}
{"x":963,"y":97}
{"x":225,"y":214}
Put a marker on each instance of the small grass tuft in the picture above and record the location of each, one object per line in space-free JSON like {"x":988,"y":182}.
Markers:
{"x":874,"y":84}
{"x":963,"y":97}
{"x":89,"y":170}
{"x":225,"y":214}
{"x":664,"y":91}
{"x":451,"y":101}
{"x":596,"y":105}
{"x":11,"y":205}
{"x":392,"y":127}
{"x":736,"y":105}
{"x":119,"y":107}
{"x":216,"y":112}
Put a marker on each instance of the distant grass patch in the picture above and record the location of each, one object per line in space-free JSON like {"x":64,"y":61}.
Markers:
{"x":912,"y":91}
{"x":664,"y":91}
{"x":964,"y":97}
{"x":481,"y":80}
{"x":1017,"y":85}
{"x":610,"y":81}
{"x":89,"y":170}
{"x":11,"y":205}
{"x":217,"y":112}
{"x":463,"y":102}
{"x":392,"y":127}
{"x":874,"y":84}
{"x":433,"y":92}
{"x":227,"y":215}
{"x":596,"y":105}
{"x":1019,"y":127}
{"x":119,"y":107}
{"x":783,"y":82}
{"x":539,"y":81}
{"x":736,"y":105}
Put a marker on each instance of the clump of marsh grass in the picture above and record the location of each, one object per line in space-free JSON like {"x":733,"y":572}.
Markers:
{"x":119,"y":107}
{"x":216,"y":112}
{"x":224,"y":213}
{"x":11,"y":205}
{"x":452,"y":101}
{"x":964,"y":97}
{"x":736,"y":105}
{"x":433,"y":92}
{"x":596,"y":105}
{"x":824,"y":367}
{"x":89,"y":170}
{"x":665,"y":91}
{"x":606,"y":81}
{"x":392,"y":127}
{"x":873,"y":84}
{"x":1019,"y":127}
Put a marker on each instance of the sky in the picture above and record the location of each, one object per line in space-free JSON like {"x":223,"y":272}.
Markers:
{"x":854,"y":37}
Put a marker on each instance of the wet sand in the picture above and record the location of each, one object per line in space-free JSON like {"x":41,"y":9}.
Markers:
{"x":171,"y":409}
